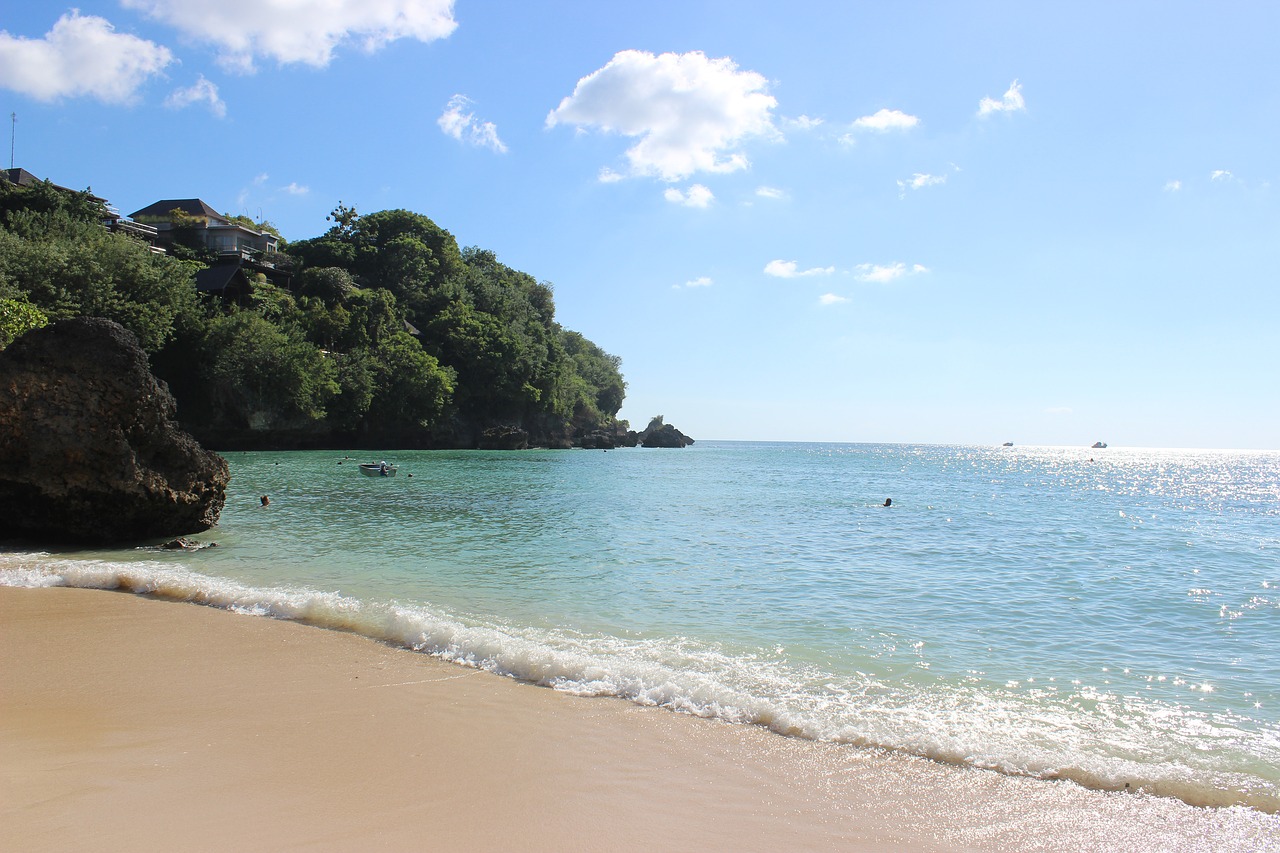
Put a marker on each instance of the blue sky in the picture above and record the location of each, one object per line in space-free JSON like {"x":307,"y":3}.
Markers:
{"x":1047,"y":223}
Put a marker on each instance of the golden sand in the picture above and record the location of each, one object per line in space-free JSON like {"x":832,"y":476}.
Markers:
{"x":133,"y":724}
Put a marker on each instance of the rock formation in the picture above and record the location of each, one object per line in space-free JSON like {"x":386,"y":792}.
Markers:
{"x":90,"y":450}
{"x":659,"y":434}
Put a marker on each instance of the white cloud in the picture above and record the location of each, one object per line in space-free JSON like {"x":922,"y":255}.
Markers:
{"x":831,"y":299}
{"x":1172,"y":186}
{"x":306,"y":31}
{"x":802,"y":123}
{"x":696,"y":196}
{"x":886,"y":120}
{"x":789,"y":269}
{"x":608,"y":176}
{"x":690,"y":113}
{"x":295,"y":188}
{"x":700,"y":281}
{"x":202,"y":91}
{"x":770,"y":192}
{"x":462,"y":125}
{"x":1220,"y":175}
{"x":1012,"y":101}
{"x":919,"y":181}
{"x":883,"y":274}
{"x":82,"y":55}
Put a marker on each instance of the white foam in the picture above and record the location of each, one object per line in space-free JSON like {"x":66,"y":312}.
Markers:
{"x":1093,"y":738}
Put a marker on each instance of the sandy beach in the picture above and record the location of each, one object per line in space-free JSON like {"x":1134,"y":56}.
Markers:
{"x":128,"y":723}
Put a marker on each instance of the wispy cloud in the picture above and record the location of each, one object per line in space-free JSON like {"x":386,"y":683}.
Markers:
{"x":789,"y":269}
{"x":689,"y":113}
{"x":1012,"y":101}
{"x":1172,"y":186}
{"x":81,"y":56}
{"x":608,"y":176}
{"x":696,"y":196}
{"x":1221,"y":175}
{"x":884,"y":273}
{"x":831,"y":299}
{"x":700,"y":281}
{"x":919,"y":181}
{"x":457,"y":121}
{"x":886,"y":120}
{"x":802,"y":123}
{"x":299,"y":31}
{"x":770,"y":193}
{"x":295,"y":188}
{"x":200,"y":92}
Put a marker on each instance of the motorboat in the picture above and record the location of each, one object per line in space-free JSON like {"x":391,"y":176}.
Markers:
{"x":377,"y":469}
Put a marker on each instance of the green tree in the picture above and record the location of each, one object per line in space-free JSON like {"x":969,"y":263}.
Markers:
{"x":263,"y":377}
{"x":17,"y":317}
{"x":411,"y":388}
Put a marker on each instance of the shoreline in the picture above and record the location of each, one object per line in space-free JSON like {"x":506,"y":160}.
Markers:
{"x":133,"y":723}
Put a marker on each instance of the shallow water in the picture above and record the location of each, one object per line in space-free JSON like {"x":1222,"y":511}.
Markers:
{"x":1108,"y":616}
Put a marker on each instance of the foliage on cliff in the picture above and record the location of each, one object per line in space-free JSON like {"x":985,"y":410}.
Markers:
{"x":387,"y":331}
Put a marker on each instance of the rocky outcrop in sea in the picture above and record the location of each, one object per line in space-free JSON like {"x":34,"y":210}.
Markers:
{"x":90,"y":449}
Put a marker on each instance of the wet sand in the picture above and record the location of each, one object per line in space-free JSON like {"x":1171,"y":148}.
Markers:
{"x":128,"y":723}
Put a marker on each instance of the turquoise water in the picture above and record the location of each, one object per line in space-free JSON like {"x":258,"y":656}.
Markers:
{"x":1108,"y":616}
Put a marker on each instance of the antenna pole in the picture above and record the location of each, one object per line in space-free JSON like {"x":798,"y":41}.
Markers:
{"x":13,"y":135}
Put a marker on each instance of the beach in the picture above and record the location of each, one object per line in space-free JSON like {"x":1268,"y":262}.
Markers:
{"x":132,"y":723}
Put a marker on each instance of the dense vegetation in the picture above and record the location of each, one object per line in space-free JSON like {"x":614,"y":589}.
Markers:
{"x":387,"y":333}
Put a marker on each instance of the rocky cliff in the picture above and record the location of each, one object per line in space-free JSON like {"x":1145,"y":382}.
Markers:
{"x":90,"y":451}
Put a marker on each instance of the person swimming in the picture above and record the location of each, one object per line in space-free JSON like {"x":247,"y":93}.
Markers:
{"x":888,"y":501}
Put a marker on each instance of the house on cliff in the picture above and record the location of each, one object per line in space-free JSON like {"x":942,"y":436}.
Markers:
{"x":241,"y":252}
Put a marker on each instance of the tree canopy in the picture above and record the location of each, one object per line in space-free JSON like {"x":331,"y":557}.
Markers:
{"x":385,"y":328}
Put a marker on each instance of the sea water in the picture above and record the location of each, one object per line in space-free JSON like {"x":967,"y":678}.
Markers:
{"x":1108,"y":616}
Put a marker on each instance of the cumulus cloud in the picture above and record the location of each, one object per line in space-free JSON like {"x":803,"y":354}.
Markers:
{"x":305,"y":31}
{"x":82,"y":55}
{"x":1010,"y":102}
{"x":885,"y":273}
{"x":689,"y":113}
{"x":886,"y":120}
{"x":609,"y":176}
{"x":696,"y":196}
{"x":831,"y":299}
{"x":457,"y":121}
{"x":700,"y":281}
{"x":200,"y":92}
{"x":789,"y":269}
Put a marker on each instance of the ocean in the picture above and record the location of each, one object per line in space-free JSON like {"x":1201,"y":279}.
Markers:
{"x":1106,"y":616}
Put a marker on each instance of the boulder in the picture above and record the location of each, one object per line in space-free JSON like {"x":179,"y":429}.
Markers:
{"x":90,"y":450}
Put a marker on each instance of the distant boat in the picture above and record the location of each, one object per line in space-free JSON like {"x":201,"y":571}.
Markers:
{"x":1008,"y":444}
{"x":1098,"y":445}
{"x":377,"y":469}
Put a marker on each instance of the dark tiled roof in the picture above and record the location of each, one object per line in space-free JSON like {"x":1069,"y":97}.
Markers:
{"x":215,"y":279}
{"x":189,"y":206}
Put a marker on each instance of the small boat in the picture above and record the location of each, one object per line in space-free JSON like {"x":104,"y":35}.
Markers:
{"x":1008,"y":444}
{"x":1098,"y":445}
{"x":377,"y":469}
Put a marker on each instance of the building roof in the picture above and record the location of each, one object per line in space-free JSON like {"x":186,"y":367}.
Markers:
{"x":189,"y":206}
{"x":23,"y":178}
{"x":216,"y":278}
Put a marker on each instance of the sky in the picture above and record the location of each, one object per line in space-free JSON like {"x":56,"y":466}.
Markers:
{"x":949,"y":222}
